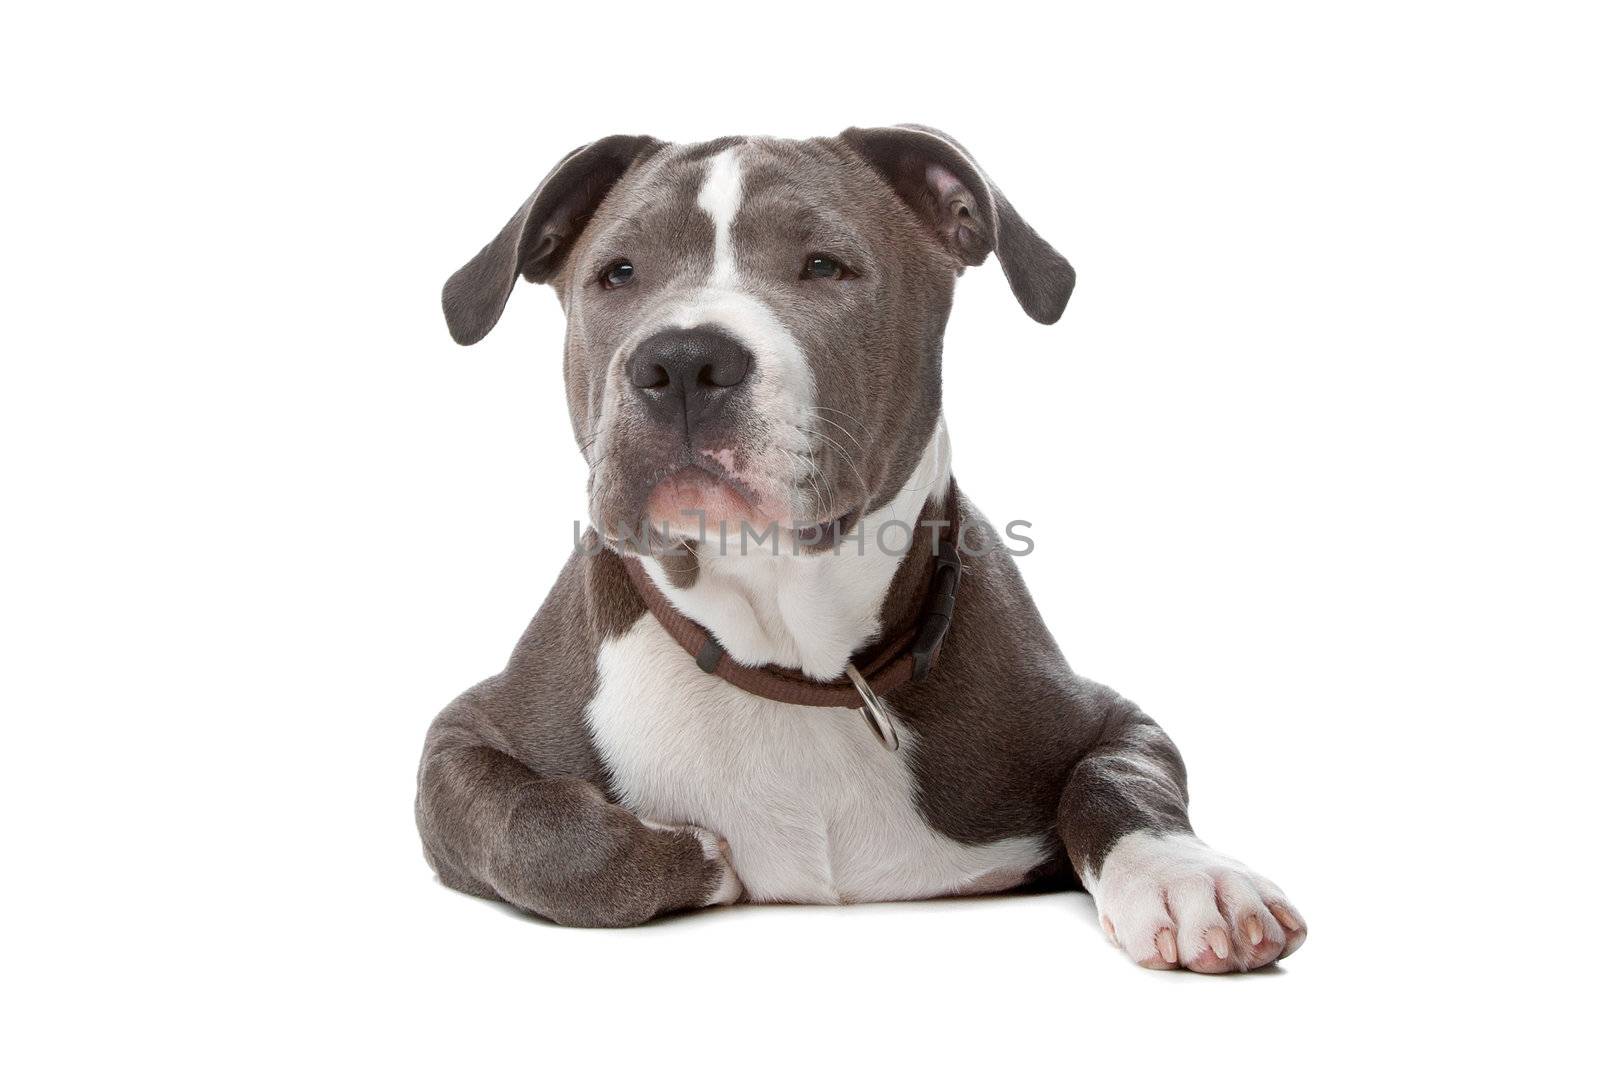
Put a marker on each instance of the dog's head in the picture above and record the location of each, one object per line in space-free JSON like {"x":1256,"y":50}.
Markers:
{"x":754,"y":326}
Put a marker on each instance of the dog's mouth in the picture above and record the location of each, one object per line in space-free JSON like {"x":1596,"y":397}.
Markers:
{"x":696,"y":495}
{"x":701,"y":502}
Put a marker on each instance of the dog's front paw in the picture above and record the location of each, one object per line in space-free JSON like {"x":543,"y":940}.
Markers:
{"x":1169,"y":901}
{"x":725,"y":887}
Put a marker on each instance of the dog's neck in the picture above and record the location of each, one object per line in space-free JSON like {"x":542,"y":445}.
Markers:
{"x":812,"y":612}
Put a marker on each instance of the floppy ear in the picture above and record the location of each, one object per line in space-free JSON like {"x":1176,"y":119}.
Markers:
{"x":954,"y":198}
{"x":537,"y":238}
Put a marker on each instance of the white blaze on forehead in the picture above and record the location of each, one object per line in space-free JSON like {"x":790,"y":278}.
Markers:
{"x":721,"y":192}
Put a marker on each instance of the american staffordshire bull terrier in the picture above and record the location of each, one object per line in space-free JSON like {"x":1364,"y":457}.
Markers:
{"x":786,"y":661}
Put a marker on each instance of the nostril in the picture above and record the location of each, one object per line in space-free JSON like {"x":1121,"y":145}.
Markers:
{"x":651,"y":376}
{"x":726,"y":368}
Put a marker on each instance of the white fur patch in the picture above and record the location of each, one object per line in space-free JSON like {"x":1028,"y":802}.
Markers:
{"x":814,"y":810}
{"x":721,"y":193}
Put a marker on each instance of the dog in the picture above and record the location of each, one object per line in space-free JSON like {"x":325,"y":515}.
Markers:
{"x":863,"y":705}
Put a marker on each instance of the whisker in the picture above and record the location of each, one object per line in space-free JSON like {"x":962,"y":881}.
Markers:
{"x":844,"y":431}
{"x":815,"y":481}
{"x":836,"y":411}
{"x":843,"y":455}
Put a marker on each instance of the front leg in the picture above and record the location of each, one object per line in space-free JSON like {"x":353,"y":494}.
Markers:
{"x":1165,"y":897}
{"x":555,"y":846}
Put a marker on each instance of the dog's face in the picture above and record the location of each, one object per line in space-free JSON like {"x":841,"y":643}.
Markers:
{"x":754,"y":326}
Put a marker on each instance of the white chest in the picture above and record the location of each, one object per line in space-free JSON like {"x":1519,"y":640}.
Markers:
{"x":813,"y":808}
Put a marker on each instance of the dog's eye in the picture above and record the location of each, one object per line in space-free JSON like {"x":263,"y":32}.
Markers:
{"x":825,"y":268}
{"x":617,"y":274}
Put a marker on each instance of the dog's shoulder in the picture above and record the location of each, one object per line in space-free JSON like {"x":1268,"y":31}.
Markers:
{"x":1002,"y":718}
{"x":535,"y":706}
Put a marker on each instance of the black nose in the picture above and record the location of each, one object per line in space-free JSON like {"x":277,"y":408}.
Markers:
{"x":688,"y":374}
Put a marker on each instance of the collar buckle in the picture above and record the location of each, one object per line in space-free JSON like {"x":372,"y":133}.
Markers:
{"x":936,"y":614}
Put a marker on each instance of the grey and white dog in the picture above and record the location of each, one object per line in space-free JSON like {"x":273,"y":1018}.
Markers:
{"x":754,"y":335}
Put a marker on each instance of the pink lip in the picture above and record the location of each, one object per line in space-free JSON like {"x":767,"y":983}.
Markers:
{"x":681,"y":499}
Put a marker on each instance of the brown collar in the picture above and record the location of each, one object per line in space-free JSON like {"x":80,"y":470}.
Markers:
{"x":908,"y":657}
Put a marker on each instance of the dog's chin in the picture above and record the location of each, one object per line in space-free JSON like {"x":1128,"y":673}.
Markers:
{"x":822,"y":536}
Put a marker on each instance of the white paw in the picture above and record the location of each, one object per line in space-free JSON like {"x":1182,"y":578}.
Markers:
{"x":727,"y":888}
{"x":1170,"y":901}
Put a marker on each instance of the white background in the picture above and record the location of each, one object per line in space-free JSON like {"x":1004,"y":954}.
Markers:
{"x":1310,"y":458}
